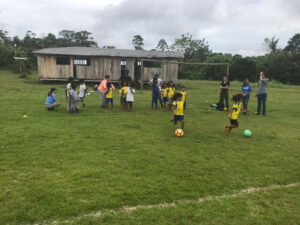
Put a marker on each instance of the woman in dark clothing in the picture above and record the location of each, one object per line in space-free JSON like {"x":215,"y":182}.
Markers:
{"x":224,"y":94}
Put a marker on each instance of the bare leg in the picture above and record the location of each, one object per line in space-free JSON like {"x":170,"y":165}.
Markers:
{"x":229,"y":128}
{"x":130,"y":106}
{"x":182,"y":124}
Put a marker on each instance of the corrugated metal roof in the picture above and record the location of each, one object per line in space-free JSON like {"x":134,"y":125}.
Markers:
{"x":91,"y":51}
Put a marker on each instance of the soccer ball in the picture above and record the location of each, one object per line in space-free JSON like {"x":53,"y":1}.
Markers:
{"x":179,"y":133}
{"x":247,"y":133}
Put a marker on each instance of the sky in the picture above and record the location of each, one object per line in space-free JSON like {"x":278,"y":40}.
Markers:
{"x":229,"y":26}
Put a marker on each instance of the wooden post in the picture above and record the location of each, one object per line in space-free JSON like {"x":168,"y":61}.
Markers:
{"x":142,"y":74}
{"x":227,"y":71}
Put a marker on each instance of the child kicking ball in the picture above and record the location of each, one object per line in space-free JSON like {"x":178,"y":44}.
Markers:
{"x":178,"y":110}
{"x":234,"y":114}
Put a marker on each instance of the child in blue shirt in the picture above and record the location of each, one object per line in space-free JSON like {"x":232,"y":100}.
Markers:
{"x":155,"y":93}
{"x":246,"y":89}
{"x":51,"y":102}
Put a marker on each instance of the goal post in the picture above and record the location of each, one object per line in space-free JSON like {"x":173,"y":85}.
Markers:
{"x":227,"y":65}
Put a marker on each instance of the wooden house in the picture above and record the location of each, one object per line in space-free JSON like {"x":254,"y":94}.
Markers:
{"x":92,"y":64}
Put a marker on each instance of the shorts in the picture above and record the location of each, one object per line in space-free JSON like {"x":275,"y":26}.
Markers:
{"x":165,"y":99}
{"x":108,"y":100}
{"x":234,"y":122}
{"x":170,"y":102}
{"x":82,"y":99}
{"x":178,"y":118}
{"x":123,"y":100}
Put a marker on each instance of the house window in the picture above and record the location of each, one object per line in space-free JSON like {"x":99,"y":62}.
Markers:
{"x":123,"y":62}
{"x":82,"y":62}
{"x":62,"y":60}
{"x":152,"y":64}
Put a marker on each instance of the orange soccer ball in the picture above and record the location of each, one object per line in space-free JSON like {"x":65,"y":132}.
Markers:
{"x":179,"y":133}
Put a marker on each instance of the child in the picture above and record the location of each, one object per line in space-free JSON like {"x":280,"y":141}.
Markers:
{"x":178,"y":110}
{"x":171,"y":92}
{"x":68,"y":90}
{"x":184,"y":94}
{"x":73,"y":98}
{"x":165,"y":94}
{"x":109,"y":95}
{"x":155,"y":93}
{"x":123,"y":92}
{"x":233,"y":116}
{"x":51,"y":102}
{"x":82,"y":93}
{"x":129,"y":96}
{"x":246,"y":89}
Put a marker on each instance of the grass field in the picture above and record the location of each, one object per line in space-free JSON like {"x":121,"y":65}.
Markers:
{"x":58,"y":168}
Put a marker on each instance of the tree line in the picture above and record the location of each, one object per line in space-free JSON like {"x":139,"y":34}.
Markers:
{"x":280,"y":64}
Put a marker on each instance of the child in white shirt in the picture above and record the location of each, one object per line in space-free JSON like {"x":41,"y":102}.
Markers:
{"x":130,"y":97}
{"x":82,"y":92}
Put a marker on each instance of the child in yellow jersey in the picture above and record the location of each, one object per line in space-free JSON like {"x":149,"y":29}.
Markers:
{"x":178,"y":110}
{"x":184,"y":94}
{"x":165,"y":94}
{"x":234,"y":114}
{"x":171,"y":92}
{"x":123,"y":92}
{"x":109,"y":95}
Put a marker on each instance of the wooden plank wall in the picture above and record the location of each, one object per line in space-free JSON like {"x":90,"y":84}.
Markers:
{"x":101,"y":66}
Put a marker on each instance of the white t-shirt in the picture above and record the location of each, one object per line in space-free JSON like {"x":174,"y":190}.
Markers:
{"x":68,"y":89}
{"x":158,"y":82}
{"x":129,"y":95}
{"x":82,"y":89}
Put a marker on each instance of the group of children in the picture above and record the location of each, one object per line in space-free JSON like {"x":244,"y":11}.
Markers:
{"x":176,"y":102}
{"x":163,"y":92}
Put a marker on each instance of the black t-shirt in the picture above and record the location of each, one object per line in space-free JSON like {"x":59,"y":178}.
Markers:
{"x":125,"y":79}
{"x":224,"y":84}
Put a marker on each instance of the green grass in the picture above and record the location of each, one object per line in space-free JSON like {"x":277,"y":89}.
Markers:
{"x":56,"y":166}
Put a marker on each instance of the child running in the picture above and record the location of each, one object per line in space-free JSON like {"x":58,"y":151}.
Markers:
{"x":165,"y":94}
{"x":82,"y":93}
{"x":234,"y":114}
{"x":129,"y":96}
{"x":184,"y":94}
{"x":171,"y":92}
{"x":109,"y":96}
{"x":155,"y":93}
{"x":178,"y":110}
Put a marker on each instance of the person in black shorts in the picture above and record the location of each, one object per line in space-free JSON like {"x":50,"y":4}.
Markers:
{"x":224,"y":93}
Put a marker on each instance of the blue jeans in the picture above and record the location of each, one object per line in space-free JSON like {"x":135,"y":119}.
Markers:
{"x":261,"y":99}
{"x":154,"y":100}
{"x":245,"y":102}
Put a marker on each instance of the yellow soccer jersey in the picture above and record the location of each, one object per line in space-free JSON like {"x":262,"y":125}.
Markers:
{"x":236,"y":108}
{"x":109,"y":94}
{"x":179,"y":107}
{"x":171,"y":92}
{"x":165,"y":92}
{"x":124,"y":89}
{"x":184,"y":94}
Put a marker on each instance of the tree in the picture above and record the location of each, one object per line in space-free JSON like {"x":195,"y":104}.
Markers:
{"x":109,"y":46}
{"x":194,"y":49}
{"x":162,"y":45}
{"x":293,"y":44}
{"x":271,"y":44}
{"x":137,"y":42}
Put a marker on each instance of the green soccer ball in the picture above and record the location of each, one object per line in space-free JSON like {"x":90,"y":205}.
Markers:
{"x":247,"y":133}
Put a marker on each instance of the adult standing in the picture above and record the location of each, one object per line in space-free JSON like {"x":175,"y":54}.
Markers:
{"x":102,"y":89}
{"x":159,"y":82}
{"x":125,"y":78}
{"x":262,"y":94}
{"x":224,"y":94}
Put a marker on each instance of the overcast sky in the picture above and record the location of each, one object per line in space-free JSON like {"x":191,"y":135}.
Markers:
{"x":236,"y":26}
